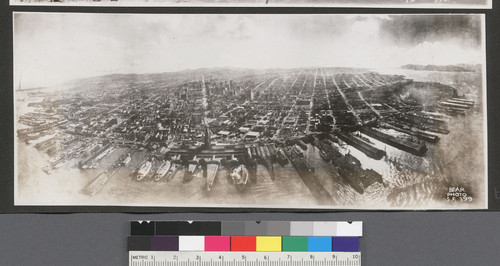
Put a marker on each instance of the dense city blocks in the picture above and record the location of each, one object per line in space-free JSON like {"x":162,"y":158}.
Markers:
{"x":327,"y":137}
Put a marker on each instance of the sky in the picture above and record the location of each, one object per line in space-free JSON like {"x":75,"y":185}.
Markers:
{"x":51,"y":48}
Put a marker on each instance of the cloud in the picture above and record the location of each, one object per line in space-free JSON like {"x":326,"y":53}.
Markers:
{"x":413,"y":30}
{"x":51,"y":48}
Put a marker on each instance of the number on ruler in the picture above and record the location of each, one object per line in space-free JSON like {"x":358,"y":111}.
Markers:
{"x":147,"y":258}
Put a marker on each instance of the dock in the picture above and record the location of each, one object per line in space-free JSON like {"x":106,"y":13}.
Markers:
{"x":427,"y":136}
{"x":306,"y":172}
{"x":95,"y":185}
{"x":211,"y":172}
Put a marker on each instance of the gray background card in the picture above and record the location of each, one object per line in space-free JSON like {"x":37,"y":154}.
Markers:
{"x":389,"y":238}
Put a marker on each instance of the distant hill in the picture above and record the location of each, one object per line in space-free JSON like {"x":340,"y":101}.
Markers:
{"x":159,"y":77}
{"x":447,"y":68}
{"x":226,"y":73}
{"x":186,"y":72}
{"x":222,"y":73}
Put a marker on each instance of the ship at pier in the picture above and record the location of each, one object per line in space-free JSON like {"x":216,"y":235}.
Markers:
{"x":174,"y":167}
{"x":238,"y":173}
{"x":144,"y":170}
{"x":192,"y":169}
{"x":162,"y":170}
{"x":353,"y":174}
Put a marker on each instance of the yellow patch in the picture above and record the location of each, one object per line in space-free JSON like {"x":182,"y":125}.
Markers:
{"x":269,"y":243}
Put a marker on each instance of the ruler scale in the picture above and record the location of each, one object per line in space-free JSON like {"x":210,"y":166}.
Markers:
{"x":162,"y":258}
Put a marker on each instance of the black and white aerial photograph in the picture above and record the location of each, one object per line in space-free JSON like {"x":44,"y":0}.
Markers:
{"x":278,"y":111}
{"x":262,"y":3}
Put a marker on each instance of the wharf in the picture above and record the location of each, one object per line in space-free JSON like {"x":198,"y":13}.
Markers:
{"x":217,"y":150}
{"x":427,"y":136}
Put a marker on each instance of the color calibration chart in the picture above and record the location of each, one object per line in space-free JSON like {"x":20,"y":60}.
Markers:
{"x":215,"y":243}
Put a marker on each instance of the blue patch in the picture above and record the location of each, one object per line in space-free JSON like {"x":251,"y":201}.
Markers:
{"x":319,"y":243}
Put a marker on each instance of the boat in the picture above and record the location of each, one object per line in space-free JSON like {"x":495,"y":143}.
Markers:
{"x":299,"y":161}
{"x":329,"y":153}
{"x":404,"y":144}
{"x":362,"y":145}
{"x":308,"y":176}
{"x":302,"y":144}
{"x":174,"y":167}
{"x":351,"y":160}
{"x":324,"y":156}
{"x":358,"y":178}
{"x":190,"y":171}
{"x":127,"y":160}
{"x":333,"y":138}
{"x":240,"y":177}
{"x":162,"y":170}
{"x":302,"y":166}
{"x":55,"y":159}
{"x":58,"y":163}
{"x":105,"y":153}
{"x":349,"y":169}
{"x":144,"y":170}
{"x":212,"y":168}
{"x":29,"y":138}
{"x":296,"y":151}
{"x":281,"y":157}
{"x":238,"y":173}
{"x":93,"y":165}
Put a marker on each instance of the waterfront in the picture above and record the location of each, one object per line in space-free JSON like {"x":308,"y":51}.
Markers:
{"x":90,"y":147}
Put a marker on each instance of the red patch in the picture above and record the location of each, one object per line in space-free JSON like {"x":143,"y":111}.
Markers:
{"x":243,"y":243}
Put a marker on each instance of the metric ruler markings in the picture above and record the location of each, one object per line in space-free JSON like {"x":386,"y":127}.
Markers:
{"x":162,"y":258}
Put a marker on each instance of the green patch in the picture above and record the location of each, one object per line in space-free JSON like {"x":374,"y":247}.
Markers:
{"x":294,"y":243}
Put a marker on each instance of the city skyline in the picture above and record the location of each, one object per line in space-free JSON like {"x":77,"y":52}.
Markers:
{"x":53,"y":48}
